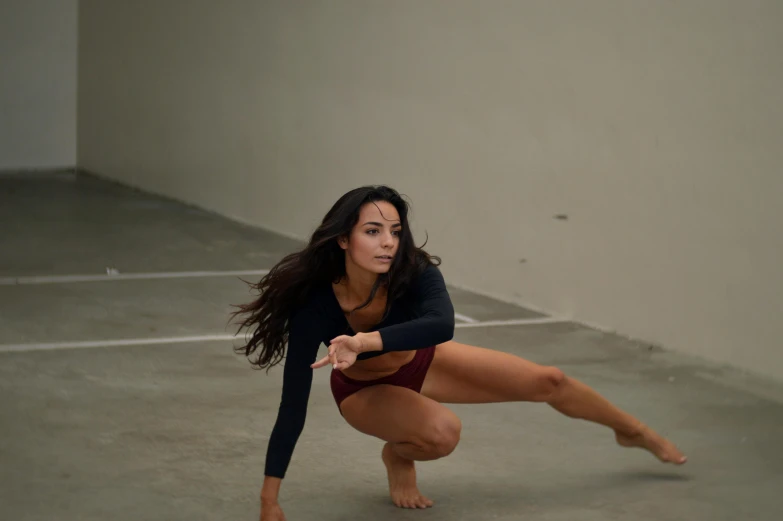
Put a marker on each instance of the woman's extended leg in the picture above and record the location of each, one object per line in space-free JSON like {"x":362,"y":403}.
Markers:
{"x":414,"y":427}
{"x":462,"y":373}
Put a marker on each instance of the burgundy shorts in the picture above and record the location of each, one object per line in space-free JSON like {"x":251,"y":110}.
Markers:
{"x":410,"y":376}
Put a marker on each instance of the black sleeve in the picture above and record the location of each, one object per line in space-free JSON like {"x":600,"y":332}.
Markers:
{"x":435,"y":316}
{"x":305,"y":336}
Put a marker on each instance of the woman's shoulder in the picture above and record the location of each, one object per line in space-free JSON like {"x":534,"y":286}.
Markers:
{"x":318,"y":300}
{"x":428,"y":278}
{"x":431,"y":270}
{"x":430,"y":273}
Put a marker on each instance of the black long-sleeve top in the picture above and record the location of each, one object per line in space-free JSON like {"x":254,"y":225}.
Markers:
{"x":423,"y":317}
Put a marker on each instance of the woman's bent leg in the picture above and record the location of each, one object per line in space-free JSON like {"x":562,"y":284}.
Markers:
{"x":415,"y":428}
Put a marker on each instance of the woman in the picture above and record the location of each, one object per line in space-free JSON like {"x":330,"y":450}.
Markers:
{"x":380,"y":304}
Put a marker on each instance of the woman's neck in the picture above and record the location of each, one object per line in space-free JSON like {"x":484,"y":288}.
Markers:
{"x":358,"y":283}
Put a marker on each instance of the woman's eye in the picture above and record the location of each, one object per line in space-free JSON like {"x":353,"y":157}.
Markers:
{"x":396,"y":233}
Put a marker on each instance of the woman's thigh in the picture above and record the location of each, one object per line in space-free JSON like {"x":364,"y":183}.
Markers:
{"x":462,"y":373}
{"x":399,"y":415}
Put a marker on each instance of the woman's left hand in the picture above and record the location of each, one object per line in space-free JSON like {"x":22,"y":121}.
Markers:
{"x":342,"y":353}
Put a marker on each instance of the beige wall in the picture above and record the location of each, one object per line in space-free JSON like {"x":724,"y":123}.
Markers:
{"x":655,"y":126}
{"x":38,"y":52}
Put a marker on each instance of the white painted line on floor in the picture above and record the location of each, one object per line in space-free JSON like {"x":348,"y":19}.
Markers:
{"x":11,"y":348}
{"x":56,"y":279}
{"x":514,"y":322}
{"x":465,"y":318}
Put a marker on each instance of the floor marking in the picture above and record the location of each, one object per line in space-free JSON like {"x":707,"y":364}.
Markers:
{"x":465,"y":318}
{"x":57,"y":279}
{"x":12,"y":348}
{"x":514,"y":322}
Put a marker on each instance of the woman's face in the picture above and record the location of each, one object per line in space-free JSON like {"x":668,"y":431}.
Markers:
{"x":374,"y":239}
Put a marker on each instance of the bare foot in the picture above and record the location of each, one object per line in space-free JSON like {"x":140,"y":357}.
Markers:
{"x":402,"y":480}
{"x":648,"y":439}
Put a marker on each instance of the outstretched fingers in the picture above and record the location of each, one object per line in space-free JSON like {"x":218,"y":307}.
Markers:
{"x":321,"y":363}
{"x":332,"y":359}
{"x":329,"y":359}
{"x":341,"y":355}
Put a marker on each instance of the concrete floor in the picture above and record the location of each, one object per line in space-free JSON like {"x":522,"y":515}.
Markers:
{"x":170,"y":431}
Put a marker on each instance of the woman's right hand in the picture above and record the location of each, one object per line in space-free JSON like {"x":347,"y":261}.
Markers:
{"x":272,"y":512}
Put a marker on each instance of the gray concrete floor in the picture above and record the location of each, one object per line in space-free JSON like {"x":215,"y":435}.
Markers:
{"x":169,"y":431}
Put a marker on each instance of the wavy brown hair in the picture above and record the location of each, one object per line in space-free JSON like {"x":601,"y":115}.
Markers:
{"x":288,"y":284}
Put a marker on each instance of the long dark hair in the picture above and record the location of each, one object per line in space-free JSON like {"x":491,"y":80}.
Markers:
{"x":288,"y":284}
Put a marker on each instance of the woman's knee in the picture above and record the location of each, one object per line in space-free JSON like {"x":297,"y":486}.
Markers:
{"x":442,"y":435}
{"x":556,"y":376}
{"x":551,"y":380}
